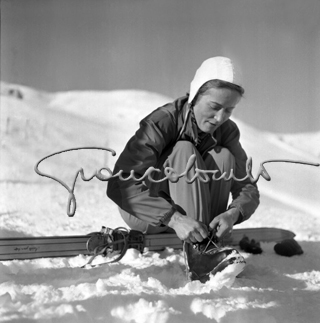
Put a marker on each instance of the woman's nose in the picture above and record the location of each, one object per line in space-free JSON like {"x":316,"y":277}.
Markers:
{"x":220,"y":115}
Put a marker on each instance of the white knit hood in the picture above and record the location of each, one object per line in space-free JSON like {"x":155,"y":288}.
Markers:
{"x":218,"y":67}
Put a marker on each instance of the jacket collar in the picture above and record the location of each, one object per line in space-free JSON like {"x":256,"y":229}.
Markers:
{"x":189,"y":130}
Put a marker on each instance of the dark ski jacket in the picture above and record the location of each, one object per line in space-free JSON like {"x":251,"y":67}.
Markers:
{"x":158,"y":132}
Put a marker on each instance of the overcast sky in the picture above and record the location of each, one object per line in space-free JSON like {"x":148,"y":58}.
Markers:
{"x":157,"y":45}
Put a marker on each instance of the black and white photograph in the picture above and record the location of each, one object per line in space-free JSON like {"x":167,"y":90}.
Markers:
{"x":160,"y":161}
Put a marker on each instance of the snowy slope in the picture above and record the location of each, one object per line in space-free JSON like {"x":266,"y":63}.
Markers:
{"x":152,"y":287}
{"x":306,"y":142}
{"x":292,"y":184}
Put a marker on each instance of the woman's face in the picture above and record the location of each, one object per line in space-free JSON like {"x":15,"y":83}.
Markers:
{"x":215,"y":107}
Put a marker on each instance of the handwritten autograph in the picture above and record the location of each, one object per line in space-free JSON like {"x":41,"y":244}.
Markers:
{"x":170,"y":174}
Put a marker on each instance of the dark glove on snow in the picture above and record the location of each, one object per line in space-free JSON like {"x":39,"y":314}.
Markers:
{"x":250,"y":246}
{"x":288,"y":248}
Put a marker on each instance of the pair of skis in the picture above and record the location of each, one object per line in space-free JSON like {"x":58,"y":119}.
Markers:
{"x":120,"y":239}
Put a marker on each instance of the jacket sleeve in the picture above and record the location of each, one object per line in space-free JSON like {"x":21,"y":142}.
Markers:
{"x":245,"y":194}
{"x":142,"y":151}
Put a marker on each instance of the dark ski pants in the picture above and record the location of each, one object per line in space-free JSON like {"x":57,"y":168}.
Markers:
{"x":201,"y":201}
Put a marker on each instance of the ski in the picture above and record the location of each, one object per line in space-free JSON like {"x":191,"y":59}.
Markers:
{"x":98,"y":242}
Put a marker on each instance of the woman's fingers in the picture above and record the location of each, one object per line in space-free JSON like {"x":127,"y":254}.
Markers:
{"x":203,"y":231}
{"x":197,"y":236}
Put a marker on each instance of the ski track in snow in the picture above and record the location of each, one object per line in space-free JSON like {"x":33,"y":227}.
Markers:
{"x":140,"y":288}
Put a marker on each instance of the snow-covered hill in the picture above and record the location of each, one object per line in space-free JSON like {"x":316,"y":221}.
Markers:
{"x":40,"y":124}
{"x":152,"y":287}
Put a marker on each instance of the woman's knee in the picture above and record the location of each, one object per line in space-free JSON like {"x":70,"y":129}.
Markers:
{"x":223,"y":158}
{"x":181,"y":153}
{"x":223,"y":153}
{"x":185,"y":146}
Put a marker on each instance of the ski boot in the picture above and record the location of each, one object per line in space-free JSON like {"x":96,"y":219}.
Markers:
{"x":207,"y":258}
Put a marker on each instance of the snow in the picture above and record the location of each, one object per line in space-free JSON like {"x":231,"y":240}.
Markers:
{"x":151,"y":287}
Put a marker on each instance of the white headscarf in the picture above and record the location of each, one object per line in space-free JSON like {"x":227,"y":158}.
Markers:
{"x":218,"y":67}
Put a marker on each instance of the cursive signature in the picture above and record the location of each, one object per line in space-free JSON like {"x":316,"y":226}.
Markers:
{"x":170,"y":174}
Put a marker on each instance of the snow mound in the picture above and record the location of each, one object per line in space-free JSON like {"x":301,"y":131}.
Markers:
{"x":121,"y":106}
{"x":151,"y":287}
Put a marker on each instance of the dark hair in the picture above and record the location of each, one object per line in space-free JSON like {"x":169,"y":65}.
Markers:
{"x":218,"y":84}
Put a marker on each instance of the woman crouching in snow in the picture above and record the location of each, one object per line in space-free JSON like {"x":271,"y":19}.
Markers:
{"x":196,"y":124}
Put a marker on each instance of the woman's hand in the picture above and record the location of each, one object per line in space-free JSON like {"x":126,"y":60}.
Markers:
{"x":223,"y":223}
{"x":188,"y":229}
